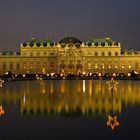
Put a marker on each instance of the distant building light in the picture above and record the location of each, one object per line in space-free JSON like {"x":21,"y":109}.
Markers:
{"x":84,"y":73}
{"x":114,"y":74}
{"x":52,"y":74}
{"x":129,"y":66}
{"x":99,"y":74}
{"x":6,"y":73}
{"x":116,"y":67}
{"x":135,"y":72}
{"x":128,"y":74}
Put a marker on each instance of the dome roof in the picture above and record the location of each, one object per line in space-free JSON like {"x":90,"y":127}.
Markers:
{"x":67,"y":40}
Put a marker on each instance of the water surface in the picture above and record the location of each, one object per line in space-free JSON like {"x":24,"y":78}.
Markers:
{"x":69,"y":109}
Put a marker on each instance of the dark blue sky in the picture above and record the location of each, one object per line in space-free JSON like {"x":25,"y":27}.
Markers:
{"x":22,"y":19}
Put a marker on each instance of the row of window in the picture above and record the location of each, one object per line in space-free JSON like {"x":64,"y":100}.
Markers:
{"x":51,"y":53}
{"x":88,"y":65}
{"x":11,"y":66}
{"x":103,"y":54}
{"x":116,"y":65}
{"x":31,"y":54}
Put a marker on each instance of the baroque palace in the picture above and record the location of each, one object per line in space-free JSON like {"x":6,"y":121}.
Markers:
{"x":70,"y":55}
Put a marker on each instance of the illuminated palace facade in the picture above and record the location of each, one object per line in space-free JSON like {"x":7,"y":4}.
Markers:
{"x":70,"y":55}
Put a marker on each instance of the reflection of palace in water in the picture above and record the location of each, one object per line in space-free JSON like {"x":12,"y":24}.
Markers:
{"x":70,"y":97}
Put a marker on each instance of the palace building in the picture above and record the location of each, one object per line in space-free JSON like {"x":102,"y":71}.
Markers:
{"x":70,"y":55}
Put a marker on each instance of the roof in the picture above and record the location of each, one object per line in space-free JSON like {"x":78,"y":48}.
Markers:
{"x":42,"y":40}
{"x":67,"y":40}
{"x":38,"y":42}
{"x":103,"y":40}
{"x":9,"y":53}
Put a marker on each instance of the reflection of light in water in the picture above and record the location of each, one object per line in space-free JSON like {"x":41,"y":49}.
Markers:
{"x":42,"y":85}
{"x":43,"y":91}
{"x":90,"y":87}
{"x":62,"y":86}
{"x":128,"y":92}
{"x":51,"y":87}
{"x":24,"y":99}
{"x":79,"y":87}
{"x":84,"y":86}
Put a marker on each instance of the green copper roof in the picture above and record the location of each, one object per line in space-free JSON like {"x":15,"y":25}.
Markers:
{"x":42,"y":40}
{"x":67,"y":40}
{"x":104,"y":40}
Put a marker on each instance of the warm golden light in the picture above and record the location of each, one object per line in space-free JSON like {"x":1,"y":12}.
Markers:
{"x":129,"y":74}
{"x":84,"y":86}
{"x":112,"y":84}
{"x":99,"y":74}
{"x":1,"y":82}
{"x":2,"y":112}
{"x":112,"y":122}
{"x":84,"y":73}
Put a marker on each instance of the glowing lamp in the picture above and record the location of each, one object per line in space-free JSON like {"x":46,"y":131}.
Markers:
{"x":84,"y":73}
{"x":128,"y":74}
{"x":114,"y":74}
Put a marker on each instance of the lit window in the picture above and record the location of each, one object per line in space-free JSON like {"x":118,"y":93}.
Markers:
{"x":116,"y":66}
{"x":103,"y":66}
{"x":109,"y":65}
{"x":89,"y":65}
{"x":96,"y":65}
{"x":123,"y":65}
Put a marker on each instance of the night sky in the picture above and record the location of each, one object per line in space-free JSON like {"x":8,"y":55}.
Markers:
{"x":23,"y":19}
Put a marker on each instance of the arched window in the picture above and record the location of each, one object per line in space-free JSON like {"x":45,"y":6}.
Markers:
{"x":109,"y":53}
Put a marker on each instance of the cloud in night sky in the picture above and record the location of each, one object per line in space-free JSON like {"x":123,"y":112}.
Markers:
{"x":23,"y":19}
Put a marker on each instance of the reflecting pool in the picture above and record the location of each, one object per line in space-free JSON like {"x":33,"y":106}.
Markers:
{"x":69,"y":109}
